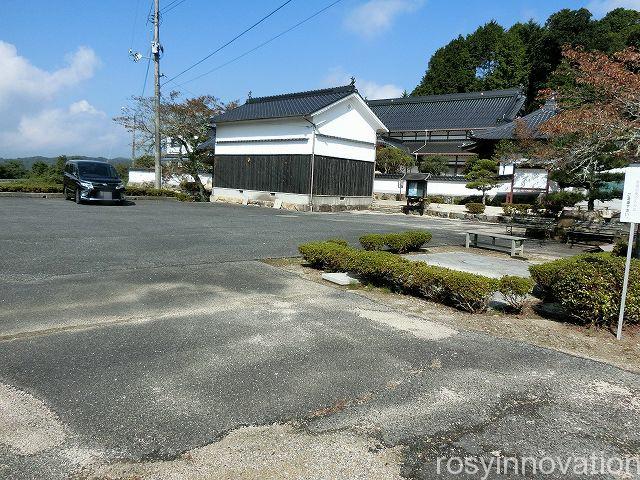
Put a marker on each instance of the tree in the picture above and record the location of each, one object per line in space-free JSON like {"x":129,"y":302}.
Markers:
{"x":435,"y":165}
{"x":598,"y":128}
{"x":393,"y":160}
{"x":482,"y":175}
{"x":58,"y":168}
{"x":123,"y":171}
{"x":450,"y":70}
{"x":483,"y":46}
{"x":185,"y":121}
{"x":526,"y":54}
{"x":144,"y":161}
{"x":510,"y":66}
{"x":13,"y":169}
{"x":39,"y":169}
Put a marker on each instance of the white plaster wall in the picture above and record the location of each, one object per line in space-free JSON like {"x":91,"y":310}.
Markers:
{"x":264,"y":130}
{"x":348,"y":119}
{"x":332,"y":147}
{"x":148,"y":176}
{"x":392,"y":186}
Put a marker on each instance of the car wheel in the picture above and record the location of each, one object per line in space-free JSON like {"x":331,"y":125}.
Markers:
{"x":78,"y":199}
{"x":65,"y":193}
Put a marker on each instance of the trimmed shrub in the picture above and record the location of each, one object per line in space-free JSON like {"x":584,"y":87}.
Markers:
{"x":404,"y":242}
{"x":461,"y":290}
{"x":144,"y":191}
{"x":475,"y":208}
{"x":327,"y":255}
{"x":589,"y":291}
{"x":372,"y":241}
{"x":469,"y":292}
{"x":31,"y":186}
{"x":546,"y":275}
{"x":515,"y":290}
{"x":589,"y":287}
{"x":338,"y":241}
{"x":435,"y":199}
{"x":511,"y":208}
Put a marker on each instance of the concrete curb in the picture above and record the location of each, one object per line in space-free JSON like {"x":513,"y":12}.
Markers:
{"x":452,"y":215}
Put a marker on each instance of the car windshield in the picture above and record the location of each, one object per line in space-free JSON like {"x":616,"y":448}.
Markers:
{"x":91,"y":169}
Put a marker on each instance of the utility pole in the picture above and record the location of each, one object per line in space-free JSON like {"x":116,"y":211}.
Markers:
{"x":133,"y":141}
{"x":156,"y":50}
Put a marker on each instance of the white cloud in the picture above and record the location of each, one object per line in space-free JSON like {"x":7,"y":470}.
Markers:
{"x":367,"y":88}
{"x":373,"y":90}
{"x":376,"y":16}
{"x":31,"y":122}
{"x":601,"y":7}
{"x":22,"y":80}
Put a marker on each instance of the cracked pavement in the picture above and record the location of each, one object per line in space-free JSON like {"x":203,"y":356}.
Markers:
{"x":150,"y":340}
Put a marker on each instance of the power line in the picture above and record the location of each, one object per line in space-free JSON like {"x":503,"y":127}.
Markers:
{"x":262,"y":44}
{"x":171,"y":6}
{"x":146,"y":74}
{"x":229,"y":42}
{"x":135,"y":21}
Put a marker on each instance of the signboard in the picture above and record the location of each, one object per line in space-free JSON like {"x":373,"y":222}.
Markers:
{"x":631,"y":197}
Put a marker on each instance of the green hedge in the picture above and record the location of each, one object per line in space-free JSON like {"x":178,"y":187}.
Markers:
{"x":515,"y":290}
{"x":404,"y":242}
{"x":143,"y":191}
{"x":31,"y":186}
{"x":461,"y":290}
{"x":475,"y":208}
{"x":589,"y":287}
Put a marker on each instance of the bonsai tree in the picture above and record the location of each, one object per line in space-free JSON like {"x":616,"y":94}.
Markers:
{"x":393,"y":160}
{"x":482,"y":174}
{"x":435,"y":165}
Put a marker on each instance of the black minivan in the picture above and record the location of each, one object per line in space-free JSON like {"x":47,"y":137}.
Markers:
{"x":91,"y":181}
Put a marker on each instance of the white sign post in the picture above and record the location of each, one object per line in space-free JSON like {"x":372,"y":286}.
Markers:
{"x":630,"y":213}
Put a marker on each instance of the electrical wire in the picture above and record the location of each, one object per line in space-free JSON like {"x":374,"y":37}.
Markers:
{"x":229,"y":42}
{"x":171,"y":6}
{"x":135,"y":21}
{"x":302,"y":22}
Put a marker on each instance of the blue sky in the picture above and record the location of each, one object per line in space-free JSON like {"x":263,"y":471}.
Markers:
{"x":66,"y":72}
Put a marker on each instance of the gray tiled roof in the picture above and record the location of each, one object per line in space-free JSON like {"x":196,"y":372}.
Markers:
{"x":210,"y":143}
{"x":289,"y":105}
{"x":532,"y":122}
{"x":451,"y":111}
{"x":436,"y":148}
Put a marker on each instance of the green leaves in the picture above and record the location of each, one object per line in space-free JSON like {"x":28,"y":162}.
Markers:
{"x":393,"y":160}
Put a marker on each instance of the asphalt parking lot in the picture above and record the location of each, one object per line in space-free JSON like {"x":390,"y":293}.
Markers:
{"x":135,"y":338}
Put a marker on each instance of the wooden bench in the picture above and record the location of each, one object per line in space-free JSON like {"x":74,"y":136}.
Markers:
{"x":516,"y":249}
{"x":583,"y":232}
{"x":531,"y":223}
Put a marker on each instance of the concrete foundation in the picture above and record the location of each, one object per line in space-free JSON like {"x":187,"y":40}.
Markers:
{"x":290,"y":201}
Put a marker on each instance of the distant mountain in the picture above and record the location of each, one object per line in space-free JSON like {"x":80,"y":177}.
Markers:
{"x":29,"y":161}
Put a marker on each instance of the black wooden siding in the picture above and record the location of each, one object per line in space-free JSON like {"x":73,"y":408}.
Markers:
{"x":341,"y":177}
{"x":266,"y":173}
{"x":291,"y":174}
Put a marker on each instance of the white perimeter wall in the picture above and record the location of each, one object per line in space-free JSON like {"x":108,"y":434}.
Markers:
{"x":149,"y":176}
{"x":524,"y":179}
